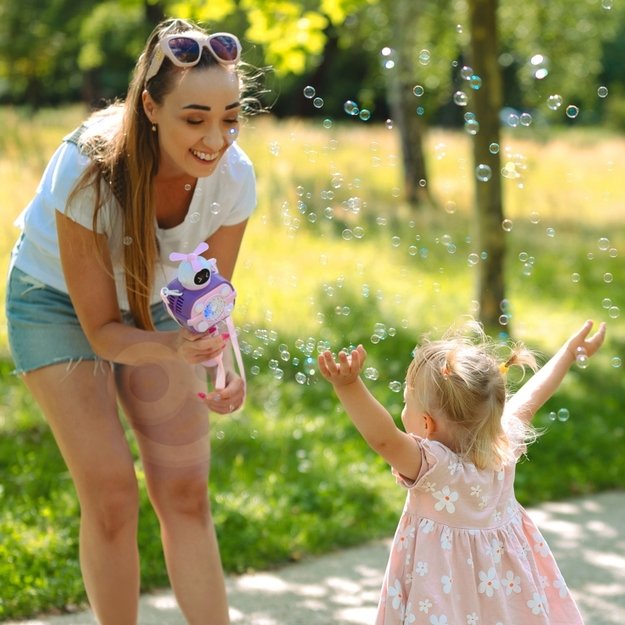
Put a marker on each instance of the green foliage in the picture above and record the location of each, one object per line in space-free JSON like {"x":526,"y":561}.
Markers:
{"x":290,"y":475}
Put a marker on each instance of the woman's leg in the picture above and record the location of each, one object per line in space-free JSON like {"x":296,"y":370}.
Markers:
{"x":79,"y":403}
{"x":171,"y":425}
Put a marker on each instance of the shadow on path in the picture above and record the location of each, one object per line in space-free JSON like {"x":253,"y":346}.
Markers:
{"x":587,"y":536}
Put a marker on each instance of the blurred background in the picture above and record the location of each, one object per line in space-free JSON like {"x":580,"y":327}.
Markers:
{"x":417,"y":162}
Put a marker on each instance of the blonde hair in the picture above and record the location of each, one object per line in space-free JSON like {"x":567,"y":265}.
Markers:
{"x":125,"y":157}
{"x":461,"y":379}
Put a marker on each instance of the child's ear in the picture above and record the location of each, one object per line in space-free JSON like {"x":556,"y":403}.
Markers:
{"x":430,"y":424}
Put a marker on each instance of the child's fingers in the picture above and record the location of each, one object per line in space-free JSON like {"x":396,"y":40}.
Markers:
{"x":326,"y":364}
{"x":596,"y":340}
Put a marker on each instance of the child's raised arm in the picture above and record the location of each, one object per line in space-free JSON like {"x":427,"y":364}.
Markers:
{"x":372,"y":420}
{"x":525,"y":403}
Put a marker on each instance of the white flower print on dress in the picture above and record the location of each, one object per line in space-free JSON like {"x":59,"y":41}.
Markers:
{"x":429,"y":487}
{"x":439,"y":620}
{"x":544,"y":581}
{"x":425,"y":605}
{"x":483,"y":503}
{"x":540,"y":546}
{"x":561,"y":586}
{"x":427,"y":525}
{"x":454,"y":467}
{"x":536,"y":604}
{"x":446,"y":581}
{"x":446,"y":498}
{"x":395,"y":592}
{"x":488,"y":582}
{"x":476,"y":491}
{"x":446,"y":537}
{"x":421,"y":568}
{"x":495,"y":549}
{"x":401,"y":541}
{"x":511,"y":583}
{"x":472,"y":619}
{"x":497,"y":517}
{"x":500,"y":475}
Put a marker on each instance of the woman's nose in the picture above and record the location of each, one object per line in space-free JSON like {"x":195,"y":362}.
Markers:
{"x":213,"y":140}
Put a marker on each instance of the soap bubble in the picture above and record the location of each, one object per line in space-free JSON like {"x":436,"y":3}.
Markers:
{"x":554,"y":102}
{"x":563,"y":415}
{"x":615,"y":362}
{"x":309,"y":92}
{"x":395,"y":386}
{"x":424,"y":57}
{"x":461,"y":98}
{"x":371,"y":373}
{"x":572,"y":111}
{"x":466,"y":72}
{"x":602,"y":92}
{"x":472,"y":127}
{"x":483,"y":172}
{"x":475,"y":82}
{"x":418,"y":91}
{"x":351,"y":108}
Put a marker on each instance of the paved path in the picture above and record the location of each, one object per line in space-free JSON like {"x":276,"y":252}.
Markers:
{"x":587,"y":536}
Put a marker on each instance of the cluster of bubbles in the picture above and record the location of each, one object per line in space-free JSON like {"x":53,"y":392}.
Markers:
{"x":561,"y":415}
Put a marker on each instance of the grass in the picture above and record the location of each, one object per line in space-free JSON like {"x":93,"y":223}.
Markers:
{"x":333,"y":257}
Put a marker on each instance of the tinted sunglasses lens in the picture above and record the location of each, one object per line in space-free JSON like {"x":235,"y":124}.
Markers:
{"x":185,"y":49}
{"x":224,"y":47}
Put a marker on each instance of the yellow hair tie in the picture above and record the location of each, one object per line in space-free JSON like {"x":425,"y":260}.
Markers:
{"x":503,"y":368}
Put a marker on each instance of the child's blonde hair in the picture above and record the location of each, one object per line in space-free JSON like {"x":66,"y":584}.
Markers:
{"x":462,"y":380}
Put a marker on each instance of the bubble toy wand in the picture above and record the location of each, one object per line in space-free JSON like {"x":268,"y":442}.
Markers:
{"x":199,"y":298}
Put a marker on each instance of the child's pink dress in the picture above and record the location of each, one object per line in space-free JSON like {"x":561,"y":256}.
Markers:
{"x":466,"y":553}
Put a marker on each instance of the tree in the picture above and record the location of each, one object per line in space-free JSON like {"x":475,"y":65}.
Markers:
{"x":487,"y":101}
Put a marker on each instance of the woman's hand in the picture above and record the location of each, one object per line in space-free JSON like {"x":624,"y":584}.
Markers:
{"x":228,"y":399}
{"x":197,"y":348}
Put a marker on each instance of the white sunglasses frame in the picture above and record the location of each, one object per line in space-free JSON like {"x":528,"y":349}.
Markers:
{"x":162,"y":50}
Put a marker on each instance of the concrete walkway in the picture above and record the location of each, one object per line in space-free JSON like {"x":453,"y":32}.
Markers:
{"x":587,"y":536}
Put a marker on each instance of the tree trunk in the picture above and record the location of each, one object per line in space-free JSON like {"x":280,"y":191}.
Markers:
{"x":402,"y":102}
{"x":487,"y":102}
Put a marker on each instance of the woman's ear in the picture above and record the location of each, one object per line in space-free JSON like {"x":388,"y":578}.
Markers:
{"x":149,"y":106}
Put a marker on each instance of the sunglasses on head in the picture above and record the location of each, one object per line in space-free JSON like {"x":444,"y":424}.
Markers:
{"x":185,"y":50}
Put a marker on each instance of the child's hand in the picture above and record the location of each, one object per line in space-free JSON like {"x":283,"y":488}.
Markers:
{"x":581,"y":343}
{"x":346,"y":370}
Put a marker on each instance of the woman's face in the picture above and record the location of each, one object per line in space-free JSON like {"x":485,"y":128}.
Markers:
{"x":197,"y":121}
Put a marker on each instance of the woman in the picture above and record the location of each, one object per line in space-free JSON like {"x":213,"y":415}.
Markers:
{"x":87,"y":329}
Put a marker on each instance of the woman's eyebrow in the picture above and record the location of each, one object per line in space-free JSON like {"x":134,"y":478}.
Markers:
{"x":204,"y":107}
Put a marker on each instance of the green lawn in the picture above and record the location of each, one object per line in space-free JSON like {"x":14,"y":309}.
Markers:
{"x":332,"y":258}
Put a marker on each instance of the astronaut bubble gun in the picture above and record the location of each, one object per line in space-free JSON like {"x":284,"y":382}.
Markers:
{"x":200,"y":299}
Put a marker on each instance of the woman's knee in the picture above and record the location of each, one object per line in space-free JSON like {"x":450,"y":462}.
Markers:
{"x":111,"y":505}
{"x":183,"y":495}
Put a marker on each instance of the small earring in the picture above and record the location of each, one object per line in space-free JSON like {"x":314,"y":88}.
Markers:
{"x":154,"y":129}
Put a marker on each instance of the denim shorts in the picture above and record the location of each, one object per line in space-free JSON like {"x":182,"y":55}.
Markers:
{"x":43,"y":328}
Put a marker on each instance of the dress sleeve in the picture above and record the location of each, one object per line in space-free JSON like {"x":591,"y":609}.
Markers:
{"x":429,"y":460}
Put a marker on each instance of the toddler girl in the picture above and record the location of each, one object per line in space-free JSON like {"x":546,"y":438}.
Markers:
{"x":465,"y":552}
